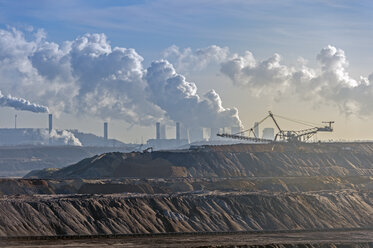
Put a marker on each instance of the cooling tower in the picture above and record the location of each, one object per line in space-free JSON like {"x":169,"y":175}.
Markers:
{"x":268,"y":133}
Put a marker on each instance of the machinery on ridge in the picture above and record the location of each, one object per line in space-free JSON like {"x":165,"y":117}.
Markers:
{"x":282,"y":135}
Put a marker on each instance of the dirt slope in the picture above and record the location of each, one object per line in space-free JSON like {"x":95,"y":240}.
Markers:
{"x":61,"y":215}
{"x":177,"y":185}
{"x":338,"y":159}
{"x":17,"y":161}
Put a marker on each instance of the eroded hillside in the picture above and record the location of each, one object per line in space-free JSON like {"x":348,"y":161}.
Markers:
{"x":17,"y":161}
{"x":72,"y":215}
{"x":265,"y":160}
{"x":177,"y":185}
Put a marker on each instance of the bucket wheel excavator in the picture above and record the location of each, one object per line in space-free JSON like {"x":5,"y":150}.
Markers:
{"x":282,"y":135}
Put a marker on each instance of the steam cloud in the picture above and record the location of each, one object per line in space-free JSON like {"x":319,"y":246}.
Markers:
{"x":330,"y":82}
{"x":63,"y":137}
{"x":87,"y":76}
{"x":179,"y":98}
{"x":21,"y":104}
{"x":187,"y":60}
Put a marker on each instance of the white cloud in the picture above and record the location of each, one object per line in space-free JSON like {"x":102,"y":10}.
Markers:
{"x":63,"y":137}
{"x":187,"y":60}
{"x":181,"y":102}
{"x":330,"y":83}
{"x":87,"y":76}
{"x":21,"y":104}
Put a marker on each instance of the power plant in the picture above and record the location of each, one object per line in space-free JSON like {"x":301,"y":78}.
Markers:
{"x":183,"y":136}
{"x":161,"y":142}
{"x":268,"y":133}
{"x":49,"y":136}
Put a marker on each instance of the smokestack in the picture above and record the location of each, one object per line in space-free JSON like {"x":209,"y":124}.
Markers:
{"x":105,"y":131}
{"x":177,"y":130}
{"x":15,"y":122}
{"x":50,"y":122}
{"x":158,"y":130}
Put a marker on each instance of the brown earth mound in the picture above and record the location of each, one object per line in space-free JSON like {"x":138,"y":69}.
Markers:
{"x":176,"y":185}
{"x":17,"y":161}
{"x":256,"y":160}
{"x":75,"y":215}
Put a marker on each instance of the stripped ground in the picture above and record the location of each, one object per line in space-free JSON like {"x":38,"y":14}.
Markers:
{"x":177,"y":185}
{"x":310,"y":239}
{"x":46,"y":215}
{"x":245,"y":160}
{"x":239,"y":188}
{"x":17,"y":161}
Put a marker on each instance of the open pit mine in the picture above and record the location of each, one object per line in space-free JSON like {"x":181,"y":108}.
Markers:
{"x":278,"y":194}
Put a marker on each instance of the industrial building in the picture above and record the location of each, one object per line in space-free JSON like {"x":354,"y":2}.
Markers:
{"x":196,"y":134}
{"x":49,"y":136}
{"x":213,"y":134}
{"x":268,"y":133}
{"x":161,"y":142}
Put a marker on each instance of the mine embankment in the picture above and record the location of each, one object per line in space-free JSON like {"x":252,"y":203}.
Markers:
{"x":17,"y":161}
{"x":265,"y":160}
{"x":209,"y":212}
{"x":177,"y":185}
{"x":267,"y":187}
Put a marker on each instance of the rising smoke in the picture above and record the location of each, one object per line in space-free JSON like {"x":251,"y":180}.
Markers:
{"x":63,"y":137}
{"x":181,"y":102}
{"x":21,"y":104}
{"x":187,"y":60}
{"x":87,"y":76}
{"x":328,"y":83}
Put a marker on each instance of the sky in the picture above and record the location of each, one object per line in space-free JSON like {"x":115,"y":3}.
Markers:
{"x":203,"y":63}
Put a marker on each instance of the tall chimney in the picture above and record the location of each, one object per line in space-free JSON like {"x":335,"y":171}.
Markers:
{"x":177,"y":130}
{"x":50,"y":122}
{"x":158,"y":130}
{"x":105,"y":131}
{"x":15,"y":122}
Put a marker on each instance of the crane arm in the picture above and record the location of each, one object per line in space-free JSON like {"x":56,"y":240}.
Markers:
{"x":274,"y":120}
{"x":252,"y":129}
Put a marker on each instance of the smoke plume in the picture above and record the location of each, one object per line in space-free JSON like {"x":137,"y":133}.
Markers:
{"x":329,"y":82}
{"x":87,"y":76}
{"x":181,"y":102}
{"x":63,"y":137}
{"x":186,"y":60}
{"x":21,"y":104}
